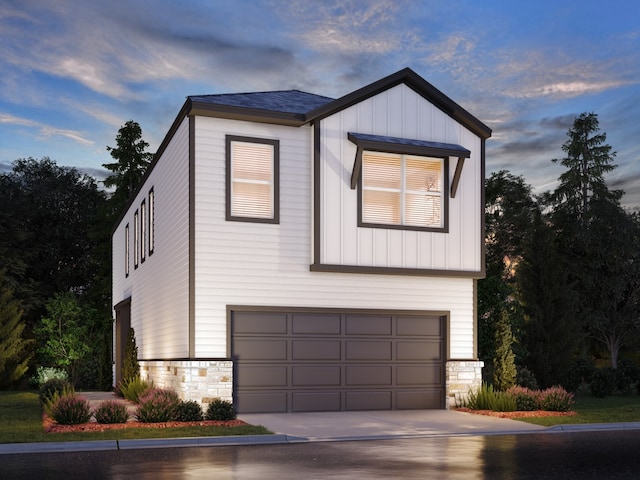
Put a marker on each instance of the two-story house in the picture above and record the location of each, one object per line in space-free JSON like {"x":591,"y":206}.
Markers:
{"x":293,"y":252}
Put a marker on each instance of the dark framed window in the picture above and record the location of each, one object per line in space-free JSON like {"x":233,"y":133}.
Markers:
{"x":252,"y":179}
{"x":402,"y":190}
{"x":152,"y":226}
{"x":126,"y":250}
{"x":136,"y":239}
{"x":143,"y":230}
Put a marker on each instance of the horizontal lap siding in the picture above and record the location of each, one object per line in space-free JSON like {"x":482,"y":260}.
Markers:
{"x":398,"y":112}
{"x":240,"y":263}
{"x":159,"y":287}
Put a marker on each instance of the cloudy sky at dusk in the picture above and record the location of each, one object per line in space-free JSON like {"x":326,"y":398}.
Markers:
{"x":74,"y":71}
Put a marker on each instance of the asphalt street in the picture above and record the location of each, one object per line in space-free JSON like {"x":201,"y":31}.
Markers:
{"x":584,"y":455}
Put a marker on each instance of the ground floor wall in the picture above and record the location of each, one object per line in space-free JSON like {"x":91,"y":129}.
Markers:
{"x":199,"y":380}
{"x":206,"y":380}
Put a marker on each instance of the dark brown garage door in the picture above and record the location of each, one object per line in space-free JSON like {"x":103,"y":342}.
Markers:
{"x":317,"y":361}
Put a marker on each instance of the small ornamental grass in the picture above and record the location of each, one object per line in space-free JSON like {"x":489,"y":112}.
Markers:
{"x":134,"y":388}
{"x":486,"y":398}
{"x":68,"y":409}
{"x":556,"y":399}
{"x":189,"y":411}
{"x":157,"y":405}
{"x":111,"y":411}
{"x":221,"y":410}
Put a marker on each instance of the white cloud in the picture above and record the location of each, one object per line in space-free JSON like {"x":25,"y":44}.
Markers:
{"x":45,"y":130}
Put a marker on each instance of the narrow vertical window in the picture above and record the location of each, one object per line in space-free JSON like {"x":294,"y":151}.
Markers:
{"x":151,"y":221}
{"x":143,"y":230}
{"x":136,"y":239}
{"x":126,"y":250}
{"x":252,"y":179}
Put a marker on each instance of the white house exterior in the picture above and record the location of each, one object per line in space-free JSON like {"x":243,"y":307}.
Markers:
{"x":291,"y":252}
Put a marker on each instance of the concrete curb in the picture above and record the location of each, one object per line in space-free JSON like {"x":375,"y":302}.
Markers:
{"x":98,"y":445}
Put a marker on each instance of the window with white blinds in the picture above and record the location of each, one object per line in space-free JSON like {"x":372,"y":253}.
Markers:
{"x":402,"y":190}
{"x":252,"y":179}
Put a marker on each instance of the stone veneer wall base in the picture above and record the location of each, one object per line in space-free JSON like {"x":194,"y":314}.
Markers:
{"x":463,"y":376}
{"x":199,"y":380}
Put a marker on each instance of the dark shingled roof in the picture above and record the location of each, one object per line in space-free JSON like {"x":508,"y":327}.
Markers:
{"x":284,"y":101}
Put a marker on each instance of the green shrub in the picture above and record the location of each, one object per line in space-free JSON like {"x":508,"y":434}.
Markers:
{"x":157,"y":405}
{"x":68,"y":409}
{"x":221,"y":410}
{"x":44,"y":374}
{"x":526,"y":399}
{"x":189,"y":411}
{"x":556,"y":399}
{"x":626,"y":375}
{"x":578,"y":374}
{"x":603,"y":382}
{"x":53,"y":387}
{"x":133,"y":388}
{"x":111,"y":411}
{"x":485,"y":398}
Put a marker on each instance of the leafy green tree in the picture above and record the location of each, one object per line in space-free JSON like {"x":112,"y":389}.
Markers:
{"x":14,"y":348}
{"x":551,"y":332}
{"x":504,"y":365}
{"x":610,"y":276}
{"x":63,"y":334}
{"x":131,"y":162}
{"x":47,"y":214}
{"x":509,"y":211}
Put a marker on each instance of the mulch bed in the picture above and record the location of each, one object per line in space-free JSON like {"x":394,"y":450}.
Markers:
{"x":519,"y":414}
{"x":51,"y":426}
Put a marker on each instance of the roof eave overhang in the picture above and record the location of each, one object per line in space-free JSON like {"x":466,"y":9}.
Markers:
{"x":245,"y":114}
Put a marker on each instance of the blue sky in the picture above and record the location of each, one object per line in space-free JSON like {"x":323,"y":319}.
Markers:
{"x":74,"y":71}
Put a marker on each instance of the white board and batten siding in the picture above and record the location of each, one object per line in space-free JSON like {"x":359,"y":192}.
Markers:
{"x":260,"y":264}
{"x":159,"y":287}
{"x":398,"y":112}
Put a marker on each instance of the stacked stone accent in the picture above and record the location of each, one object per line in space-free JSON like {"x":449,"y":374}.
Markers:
{"x":199,"y":380}
{"x":463,"y":376}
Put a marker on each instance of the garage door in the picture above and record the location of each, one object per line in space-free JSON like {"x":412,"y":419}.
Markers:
{"x":324,"y":361}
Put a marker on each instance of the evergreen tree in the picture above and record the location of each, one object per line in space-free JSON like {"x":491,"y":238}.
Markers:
{"x":504,"y":366}
{"x":551,"y":333}
{"x":131,"y":162}
{"x":588,"y":159}
{"x":130,"y":365}
{"x":596,"y":237}
{"x":14,"y":349}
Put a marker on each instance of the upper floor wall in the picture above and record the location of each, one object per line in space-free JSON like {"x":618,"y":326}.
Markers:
{"x":345,"y":244}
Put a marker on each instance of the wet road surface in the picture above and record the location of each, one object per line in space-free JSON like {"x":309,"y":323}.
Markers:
{"x":567,"y":455}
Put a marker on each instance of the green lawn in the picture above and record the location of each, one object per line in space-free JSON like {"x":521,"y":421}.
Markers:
{"x":616,"y":408}
{"x":21,"y":422}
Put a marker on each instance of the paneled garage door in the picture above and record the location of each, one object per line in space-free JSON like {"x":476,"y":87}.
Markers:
{"x":324,"y":361}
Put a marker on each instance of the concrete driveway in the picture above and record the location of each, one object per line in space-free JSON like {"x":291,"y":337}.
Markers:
{"x":331,"y":426}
